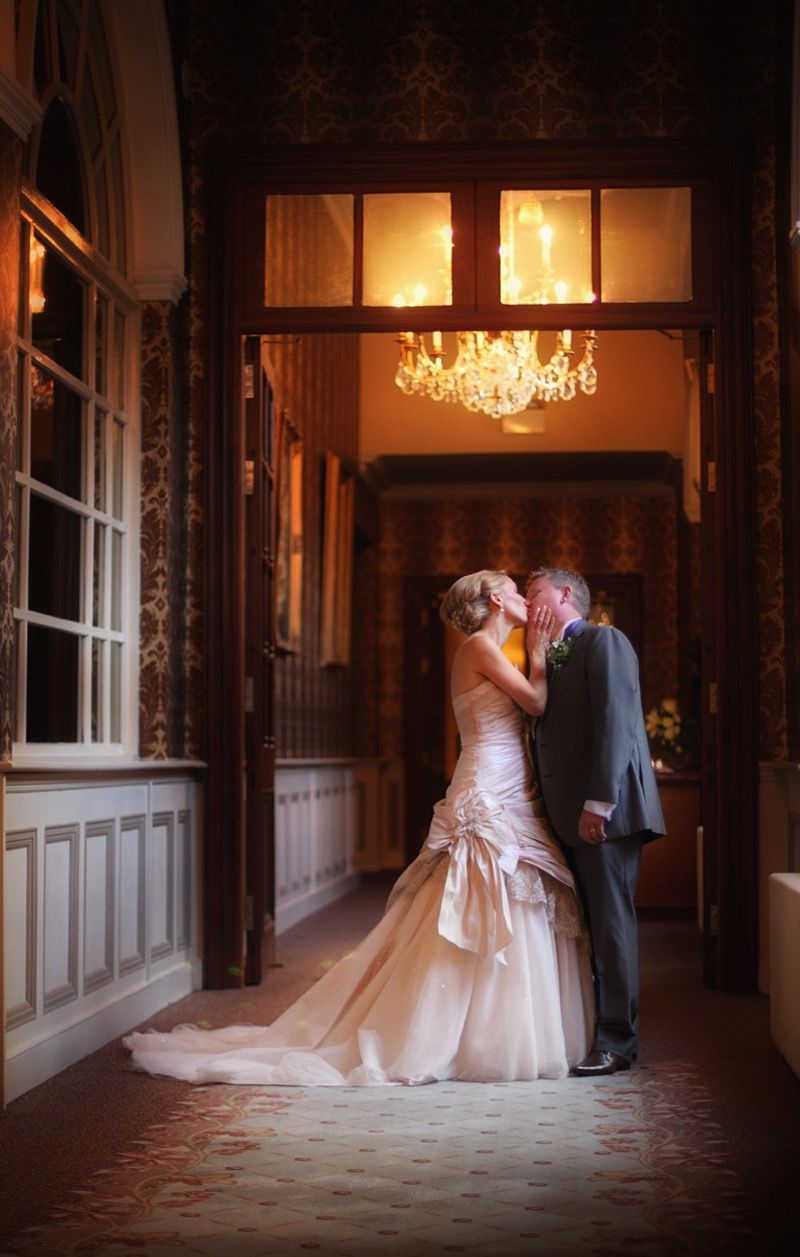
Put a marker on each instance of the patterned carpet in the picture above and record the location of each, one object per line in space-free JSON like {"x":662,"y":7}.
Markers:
{"x":632,"y":1164}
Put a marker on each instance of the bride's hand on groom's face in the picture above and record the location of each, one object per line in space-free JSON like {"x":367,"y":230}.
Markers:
{"x":541,"y":626}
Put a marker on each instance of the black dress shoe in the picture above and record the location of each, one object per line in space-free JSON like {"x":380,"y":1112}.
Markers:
{"x":601,"y":1062}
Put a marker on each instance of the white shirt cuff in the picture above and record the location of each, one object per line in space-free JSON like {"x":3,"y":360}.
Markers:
{"x":599,"y":809}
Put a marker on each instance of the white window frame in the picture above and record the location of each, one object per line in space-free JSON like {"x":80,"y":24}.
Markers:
{"x":58,"y":235}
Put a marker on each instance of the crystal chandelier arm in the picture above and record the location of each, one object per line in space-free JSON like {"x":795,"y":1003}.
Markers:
{"x":498,"y":373}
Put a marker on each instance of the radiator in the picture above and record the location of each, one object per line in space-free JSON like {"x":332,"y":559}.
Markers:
{"x":784,"y":965}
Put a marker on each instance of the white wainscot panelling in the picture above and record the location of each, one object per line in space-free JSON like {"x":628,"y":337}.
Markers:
{"x":379,"y":811}
{"x":60,"y":915}
{"x":98,"y":924}
{"x":101,"y":914}
{"x":316,"y":835}
{"x":131,"y":900}
{"x":20,"y":926}
{"x":162,"y":889}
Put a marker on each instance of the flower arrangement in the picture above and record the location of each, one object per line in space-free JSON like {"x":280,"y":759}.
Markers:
{"x":558,"y":652}
{"x":672,"y":737}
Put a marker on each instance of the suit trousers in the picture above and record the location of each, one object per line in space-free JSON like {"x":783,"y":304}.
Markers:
{"x":606,"y":874}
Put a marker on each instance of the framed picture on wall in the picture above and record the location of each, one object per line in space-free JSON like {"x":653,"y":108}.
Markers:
{"x":337,"y":562}
{"x":289,"y":545}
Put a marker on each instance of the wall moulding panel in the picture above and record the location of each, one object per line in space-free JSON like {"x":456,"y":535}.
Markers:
{"x":333,"y":820}
{"x":102,"y":914}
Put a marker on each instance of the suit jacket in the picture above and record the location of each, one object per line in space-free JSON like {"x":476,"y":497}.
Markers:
{"x":591,"y":743}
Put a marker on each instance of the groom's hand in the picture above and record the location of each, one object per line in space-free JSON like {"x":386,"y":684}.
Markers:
{"x":591,"y":827}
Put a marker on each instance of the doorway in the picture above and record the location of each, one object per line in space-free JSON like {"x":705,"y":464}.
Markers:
{"x":719,"y":302}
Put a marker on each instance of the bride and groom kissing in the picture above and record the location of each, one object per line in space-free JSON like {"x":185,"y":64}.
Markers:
{"x":482,"y":967}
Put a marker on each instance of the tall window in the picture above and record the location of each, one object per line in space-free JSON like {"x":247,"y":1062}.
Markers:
{"x":76,"y":449}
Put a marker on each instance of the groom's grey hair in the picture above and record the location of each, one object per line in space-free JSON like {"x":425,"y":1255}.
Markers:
{"x":561,"y":576}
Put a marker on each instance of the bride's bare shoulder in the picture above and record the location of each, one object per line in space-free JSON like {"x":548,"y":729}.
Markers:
{"x":476,"y":645}
{"x":472,"y":652}
{"x":470,"y":662}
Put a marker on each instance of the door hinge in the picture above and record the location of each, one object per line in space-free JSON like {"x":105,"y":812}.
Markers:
{"x":711,"y":477}
{"x":713,"y":919}
{"x":249,"y":913}
{"x":713,"y":698}
{"x":711,"y":377}
{"x":248,"y":381}
{"x":249,"y":477}
{"x":249,"y":696}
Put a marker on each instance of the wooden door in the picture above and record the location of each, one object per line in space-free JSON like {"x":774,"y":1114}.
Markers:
{"x":424,"y":723}
{"x":259,"y":655}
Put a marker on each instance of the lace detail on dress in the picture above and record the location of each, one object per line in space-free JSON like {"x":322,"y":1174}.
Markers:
{"x":528,"y":885}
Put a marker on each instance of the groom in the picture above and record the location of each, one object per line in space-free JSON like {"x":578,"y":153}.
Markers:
{"x":600,"y":795}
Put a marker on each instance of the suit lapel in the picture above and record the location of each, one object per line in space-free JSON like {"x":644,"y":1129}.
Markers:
{"x":554,"y":671}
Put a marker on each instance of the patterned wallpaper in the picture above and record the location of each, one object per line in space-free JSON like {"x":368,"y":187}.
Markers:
{"x":10,"y":170}
{"x":605,"y":535}
{"x":329,"y":71}
{"x":164,"y":627}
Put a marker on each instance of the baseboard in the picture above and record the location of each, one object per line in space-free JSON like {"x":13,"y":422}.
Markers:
{"x":36,"y":1063}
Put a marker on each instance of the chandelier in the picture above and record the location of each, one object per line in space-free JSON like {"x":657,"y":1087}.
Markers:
{"x":499,"y":373}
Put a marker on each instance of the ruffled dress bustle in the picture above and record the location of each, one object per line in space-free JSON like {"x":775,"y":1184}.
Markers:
{"x":478,"y":971}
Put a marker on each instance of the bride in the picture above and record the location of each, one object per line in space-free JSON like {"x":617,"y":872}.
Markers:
{"x":479,"y":969}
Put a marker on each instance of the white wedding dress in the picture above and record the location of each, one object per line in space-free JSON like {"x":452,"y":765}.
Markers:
{"x":479,"y":969}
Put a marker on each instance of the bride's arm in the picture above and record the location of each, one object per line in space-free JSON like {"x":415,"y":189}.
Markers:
{"x":488,"y":660}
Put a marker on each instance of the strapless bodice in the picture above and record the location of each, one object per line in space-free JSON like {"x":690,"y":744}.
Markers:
{"x":487,"y":715}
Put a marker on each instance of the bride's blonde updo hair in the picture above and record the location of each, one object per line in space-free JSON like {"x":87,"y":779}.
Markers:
{"x":466,"y":603}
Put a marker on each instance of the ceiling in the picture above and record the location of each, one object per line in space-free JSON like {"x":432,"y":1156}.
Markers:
{"x":641,"y":404}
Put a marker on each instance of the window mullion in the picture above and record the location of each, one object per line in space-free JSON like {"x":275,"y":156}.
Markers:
{"x":43,"y":490}
{"x":105,"y":686}
{"x":20,"y":731}
{"x":85,"y":683}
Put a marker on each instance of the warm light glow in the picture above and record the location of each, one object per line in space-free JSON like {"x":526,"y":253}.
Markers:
{"x":545,"y":246}
{"x":36,"y":289}
{"x":498,"y":373}
{"x":407,"y":249}
{"x":546,"y":237}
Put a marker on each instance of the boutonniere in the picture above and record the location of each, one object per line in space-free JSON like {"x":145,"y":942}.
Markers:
{"x":558,"y":653}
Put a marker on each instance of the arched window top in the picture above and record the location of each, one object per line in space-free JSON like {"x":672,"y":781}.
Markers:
{"x":74,"y":154}
{"x":59,"y":168}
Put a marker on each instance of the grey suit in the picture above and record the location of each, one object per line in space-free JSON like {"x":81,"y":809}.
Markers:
{"x":591,"y":744}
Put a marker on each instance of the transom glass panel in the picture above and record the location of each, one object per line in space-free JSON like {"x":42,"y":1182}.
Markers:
{"x":408,"y":249}
{"x":545,"y":247}
{"x":309,"y":250}
{"x":646,"y":244}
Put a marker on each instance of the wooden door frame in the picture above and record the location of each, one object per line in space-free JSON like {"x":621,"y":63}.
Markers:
{"x":423,"y":681}
{"x":731,"y":658}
